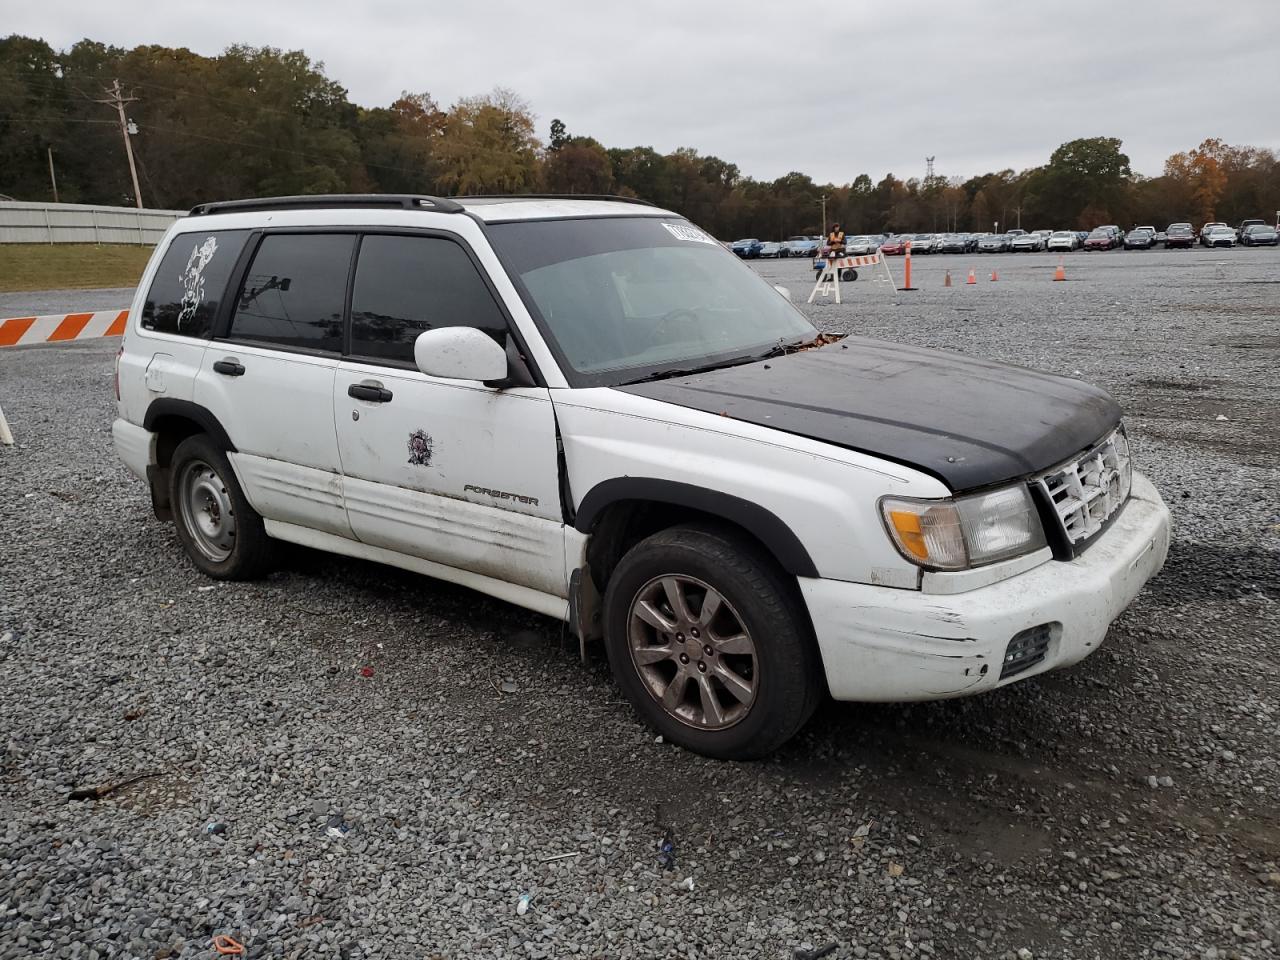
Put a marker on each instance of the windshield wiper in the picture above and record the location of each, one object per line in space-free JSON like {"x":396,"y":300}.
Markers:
{"x":777,"y":350}
{"x":664,"y":374}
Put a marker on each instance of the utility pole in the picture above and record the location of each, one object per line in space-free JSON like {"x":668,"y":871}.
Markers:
{"x":53,"y":179}
{"x":824,"y":219}
{"x":116,"y":99}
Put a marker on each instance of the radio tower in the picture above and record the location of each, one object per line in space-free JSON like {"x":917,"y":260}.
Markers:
{"x":928,"y":167}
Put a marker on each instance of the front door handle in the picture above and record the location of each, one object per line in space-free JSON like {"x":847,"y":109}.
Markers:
{"x":230,"y":368}
{"x":373,"y":392}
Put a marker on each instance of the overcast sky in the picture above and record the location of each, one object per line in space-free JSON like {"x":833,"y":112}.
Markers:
{"x":832,"y":89}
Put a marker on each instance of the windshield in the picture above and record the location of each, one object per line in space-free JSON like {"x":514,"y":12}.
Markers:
{"x":620,"y":299}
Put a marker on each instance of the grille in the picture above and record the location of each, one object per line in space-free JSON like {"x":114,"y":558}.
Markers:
{"x":1087,"y":491}
{"x":1025,"y":650}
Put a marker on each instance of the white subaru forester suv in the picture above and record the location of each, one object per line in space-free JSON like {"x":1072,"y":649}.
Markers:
{"x":589,"y":408}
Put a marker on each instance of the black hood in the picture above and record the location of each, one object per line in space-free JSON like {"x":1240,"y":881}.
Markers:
{"x":971,"y":423}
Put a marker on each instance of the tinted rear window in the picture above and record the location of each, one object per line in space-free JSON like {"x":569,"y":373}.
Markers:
{"x":191,"y":282}
{"x":295,"y":290}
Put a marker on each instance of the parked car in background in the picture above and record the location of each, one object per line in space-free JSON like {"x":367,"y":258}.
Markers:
{"x":800,"y":246}
{"x":1044,"y":236}
{"x":771,"y":250}
{"x":1204,"y":232}
{"x":924,"y":243}
{"x":1140,"y":238}
{"x":1063,"y":240}
{"x":1245,"y":225}
{"x":1222,"y":236}
{"x":861,"y":246}
{"x":746,"y":249}
{"x":1081,"y":237}
{"x":1260,"y":235}
{"x":1015,"y":232}
{"x":994,"y":243}
{"x":1179,"y":235}
{"x":1027,"y":243}
{"x":1103,"y":238}
{"x":894,"y":246}
{"x":951,"y":243}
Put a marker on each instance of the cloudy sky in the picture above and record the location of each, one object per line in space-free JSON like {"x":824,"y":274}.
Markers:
{"x":829,"y":88}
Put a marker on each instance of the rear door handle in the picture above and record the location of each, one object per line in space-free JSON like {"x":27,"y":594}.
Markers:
{"x":373,"y":392}
{"x":230,"y":368}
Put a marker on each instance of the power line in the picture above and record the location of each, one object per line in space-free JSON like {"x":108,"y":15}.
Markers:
{"x":262,"y":146}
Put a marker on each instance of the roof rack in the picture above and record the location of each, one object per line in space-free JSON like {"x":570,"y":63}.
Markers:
{"x":321,"y":201}
{"x":556,"y":196}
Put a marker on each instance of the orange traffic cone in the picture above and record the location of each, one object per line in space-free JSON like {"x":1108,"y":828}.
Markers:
{"x":946,"y":280}
{"x":972,"y":279}
{"x":994,"y":276}
{"x":1061,"y":272}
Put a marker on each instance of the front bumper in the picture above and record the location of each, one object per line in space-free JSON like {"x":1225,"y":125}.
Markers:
{"x":882,"y":644}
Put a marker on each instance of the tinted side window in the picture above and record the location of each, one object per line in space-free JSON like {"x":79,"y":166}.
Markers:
{"x":191,"y":282}
{"x":295,"y":290}
{"x":405,"y":285}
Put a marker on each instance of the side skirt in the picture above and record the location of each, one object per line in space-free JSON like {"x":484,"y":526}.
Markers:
{"x":536,"y":600}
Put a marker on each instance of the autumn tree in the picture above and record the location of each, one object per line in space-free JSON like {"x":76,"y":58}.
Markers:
{"x":489,"y":146}
{"x":1200,"y":172}
{"x":579,"y":165}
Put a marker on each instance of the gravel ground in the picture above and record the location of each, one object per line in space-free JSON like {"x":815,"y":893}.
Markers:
{"x":1123,"y":808}
{"x":44,"y":302}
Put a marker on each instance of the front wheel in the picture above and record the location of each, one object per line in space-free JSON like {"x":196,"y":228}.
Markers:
{"x":221,"y":533}
{"x":710,"y":642}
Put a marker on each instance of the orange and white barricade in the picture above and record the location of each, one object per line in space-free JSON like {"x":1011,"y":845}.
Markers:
{"x":60,"y":327}
{"x":836,"y":267}
{"x":57,"y":328}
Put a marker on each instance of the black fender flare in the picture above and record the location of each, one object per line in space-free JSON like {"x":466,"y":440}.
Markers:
{"x":170,"y":407}
{"x":777,"y":537}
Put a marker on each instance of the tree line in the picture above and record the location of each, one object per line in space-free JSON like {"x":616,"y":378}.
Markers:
{"x":262,"y":122}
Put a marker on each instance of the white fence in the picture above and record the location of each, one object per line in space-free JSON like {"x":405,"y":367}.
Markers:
{"x":22,"y":222}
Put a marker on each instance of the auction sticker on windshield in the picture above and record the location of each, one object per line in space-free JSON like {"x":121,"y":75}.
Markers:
{"x":684,"y":231}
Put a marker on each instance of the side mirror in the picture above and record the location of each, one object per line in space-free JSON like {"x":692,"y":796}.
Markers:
{"x":786,"y":293}
{"x":459,"y":353}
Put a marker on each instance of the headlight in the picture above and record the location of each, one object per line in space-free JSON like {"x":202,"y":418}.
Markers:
{"x":1124,"y":463}
{"x":966,"y":532}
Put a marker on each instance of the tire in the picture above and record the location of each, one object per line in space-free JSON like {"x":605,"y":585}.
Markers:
{"x":761,"y":680}
{"x":220,"y":532}
{"x":848,"y":275}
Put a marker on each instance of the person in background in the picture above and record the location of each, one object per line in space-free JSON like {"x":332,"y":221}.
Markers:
{"x":835,"y":240}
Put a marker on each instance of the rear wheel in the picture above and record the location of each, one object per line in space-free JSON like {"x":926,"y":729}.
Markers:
{"x":221,"y":533}
{"x":710,"y":643}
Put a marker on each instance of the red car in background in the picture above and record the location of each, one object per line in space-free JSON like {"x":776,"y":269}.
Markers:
{"x":1103,"y":238}
{"x":894,"y":246}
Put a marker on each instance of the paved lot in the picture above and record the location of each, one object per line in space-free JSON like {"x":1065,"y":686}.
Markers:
{"x":1022,"y":820}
